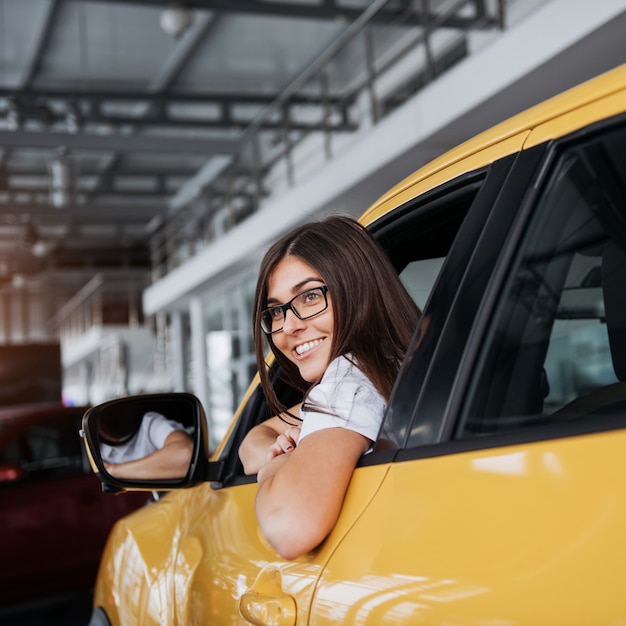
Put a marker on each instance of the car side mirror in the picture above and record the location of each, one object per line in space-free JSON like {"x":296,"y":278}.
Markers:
{"x":156,"y":442}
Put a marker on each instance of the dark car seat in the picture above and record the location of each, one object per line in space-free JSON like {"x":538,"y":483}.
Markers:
{"x":612,"y":398}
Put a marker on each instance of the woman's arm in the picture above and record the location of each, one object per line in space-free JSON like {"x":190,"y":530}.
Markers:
{"x":267,"y":440}
{"x":171,"y":461}
{"x":301,"y":494}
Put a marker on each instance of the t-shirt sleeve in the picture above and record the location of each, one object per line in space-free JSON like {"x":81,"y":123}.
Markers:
{"x":344,"y":401}
{"x":160,"y":428}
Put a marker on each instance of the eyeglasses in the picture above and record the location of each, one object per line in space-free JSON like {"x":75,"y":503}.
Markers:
{"x":307,"y":304}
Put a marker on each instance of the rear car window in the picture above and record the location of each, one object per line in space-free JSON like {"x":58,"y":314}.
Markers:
{"x":556,"y":347}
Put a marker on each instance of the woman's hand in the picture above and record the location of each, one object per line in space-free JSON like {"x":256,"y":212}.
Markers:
{"x":270,"y":468}
{"x":269,"y":439}
{"x":284,"y":444}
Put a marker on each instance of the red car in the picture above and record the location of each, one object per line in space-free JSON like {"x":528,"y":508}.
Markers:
{"x":54,"y":517}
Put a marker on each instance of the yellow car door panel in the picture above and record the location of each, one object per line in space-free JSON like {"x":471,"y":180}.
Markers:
{"x":481,"y":537}
{"x":214,"y":560}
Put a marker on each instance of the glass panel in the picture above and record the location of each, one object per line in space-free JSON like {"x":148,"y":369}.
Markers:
{"x":419,"y":278}
{"x":418,"y":242}
{"x":556,"y":347}
{"x":52,"y":449}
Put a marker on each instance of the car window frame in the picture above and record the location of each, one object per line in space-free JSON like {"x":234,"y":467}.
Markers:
{"x":560,"y":428}
{"x":415,"y":372}
{"x":494,"y":256}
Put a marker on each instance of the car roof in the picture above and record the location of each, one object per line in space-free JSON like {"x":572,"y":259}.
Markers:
{"x":528,"y":128}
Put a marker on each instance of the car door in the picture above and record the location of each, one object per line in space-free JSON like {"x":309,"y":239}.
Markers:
{"x":198,"y":556}
{"x":507,"y":501}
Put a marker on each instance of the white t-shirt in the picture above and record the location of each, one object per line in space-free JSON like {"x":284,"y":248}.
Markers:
{"x":348,"y":399}
{"x":151,"y":436}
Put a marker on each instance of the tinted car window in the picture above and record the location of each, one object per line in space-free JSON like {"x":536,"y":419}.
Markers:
{"x":47,"y":449}
{"x":555,"y":351}
{"x":440,"y":234}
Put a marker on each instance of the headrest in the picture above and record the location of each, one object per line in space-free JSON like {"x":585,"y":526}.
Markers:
{"x":614,"y":290}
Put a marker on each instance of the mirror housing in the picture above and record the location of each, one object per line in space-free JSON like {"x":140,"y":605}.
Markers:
{"x":127,"y":414}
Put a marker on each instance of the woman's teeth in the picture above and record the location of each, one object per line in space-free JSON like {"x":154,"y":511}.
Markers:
{"x":305,"y":347}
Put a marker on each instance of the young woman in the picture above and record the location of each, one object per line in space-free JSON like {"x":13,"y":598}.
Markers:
{"x":338,"y":321}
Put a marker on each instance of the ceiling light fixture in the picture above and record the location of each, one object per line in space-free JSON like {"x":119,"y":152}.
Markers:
{"x":18,"y":281}
{"x":40,"y":248}
{"x":13,"y":116}
{"x":32,"y":239}
{"x":72,"y":118}
{"x":176,"y":19}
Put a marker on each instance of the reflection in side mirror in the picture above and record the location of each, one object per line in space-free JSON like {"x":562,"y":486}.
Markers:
{"x":155,"y":441}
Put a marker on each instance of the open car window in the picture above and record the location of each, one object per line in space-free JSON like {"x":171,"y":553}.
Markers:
{"x":254,"y":412}
{"x":416,"y":244}
{"x":417,"y":238}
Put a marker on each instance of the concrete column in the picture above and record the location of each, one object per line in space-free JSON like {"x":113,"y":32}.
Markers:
{"x":198,"y":351}
{"x":6,"y":318}
{"x":243,"y":325}
{"x":177,"y":348}
{"x":84,"y":374}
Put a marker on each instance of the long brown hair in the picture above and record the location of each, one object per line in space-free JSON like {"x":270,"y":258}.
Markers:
{"x":374,"y":316}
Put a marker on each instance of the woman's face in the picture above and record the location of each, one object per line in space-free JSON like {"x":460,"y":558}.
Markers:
{"x":307,"y":343}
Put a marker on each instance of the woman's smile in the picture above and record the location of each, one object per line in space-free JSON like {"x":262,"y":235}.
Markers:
{"x":304,"y":348}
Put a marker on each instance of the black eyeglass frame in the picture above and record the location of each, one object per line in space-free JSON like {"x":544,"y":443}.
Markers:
{"x":288,"y":306}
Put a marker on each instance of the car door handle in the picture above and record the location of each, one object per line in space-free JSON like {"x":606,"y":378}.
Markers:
{"x":266,"y":604}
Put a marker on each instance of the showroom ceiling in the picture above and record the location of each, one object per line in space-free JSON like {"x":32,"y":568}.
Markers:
{"x":115,"y":114}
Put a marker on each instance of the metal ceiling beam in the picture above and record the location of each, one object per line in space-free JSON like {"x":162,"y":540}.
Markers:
{"x":120,"y":143}
{"x":184,"y":50}
{"x":107,"y":189}
{"x":33,"y":96}
{"x":43,"y":215}
{"x":106,"y":176}
{"x":32,"y":105}
{"x":190,"y":187}
{"x":327,"y":10}
{"x":43,"y":37}
{"x":144,"y":172}
{"x":224,"y":121}
{"x":128,"y":212}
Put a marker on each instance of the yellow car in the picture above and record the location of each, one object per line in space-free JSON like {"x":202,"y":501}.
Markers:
{"x":506,"y":500}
